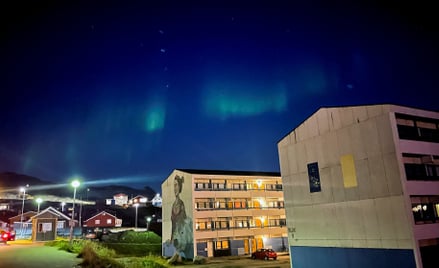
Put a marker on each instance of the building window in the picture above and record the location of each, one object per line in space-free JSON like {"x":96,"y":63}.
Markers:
{"x":425,"y":209}
{"x":277,"y":222}
{"x":273,"y":187}
{"x":314,"y":177}
{"x":242,"y":223}
{"x":203,"y":204}
{"x":275,"y":204}
{"x":219,"y":185}
{"x":221,"y":203}
{"x":109,"y":221}
{"x":97,"y":221}
{"x":203,"y":224}
{"x":417,"y":128}
{"x":222,"y":244}
{"x":239,"y":186}
{"x":421,"y":167}
{"x":201,"y":185}
{"x":222,"y":223}
{"x":240,"y":204}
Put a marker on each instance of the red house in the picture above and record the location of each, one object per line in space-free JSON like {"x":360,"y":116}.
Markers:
{"x":101,"y":220}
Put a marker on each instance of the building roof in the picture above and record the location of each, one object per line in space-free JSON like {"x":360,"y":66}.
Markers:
{"x":102,"y":212}
{"x":349,"y":106}
{"x":52,"y":211}
{"x":230,"y":172}
{"x":24,"y":214}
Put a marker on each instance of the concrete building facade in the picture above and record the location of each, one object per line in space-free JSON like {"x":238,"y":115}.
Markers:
{"x":362,"y":187}
{"x":221,"y":213}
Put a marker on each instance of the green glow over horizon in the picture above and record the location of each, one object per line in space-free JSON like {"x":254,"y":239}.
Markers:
{"x":155,"y":117}
{"x":226,"y":102}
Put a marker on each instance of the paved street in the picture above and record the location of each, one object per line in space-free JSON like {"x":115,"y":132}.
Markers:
{"x":35,"y":255}
{"x":283,"y":261}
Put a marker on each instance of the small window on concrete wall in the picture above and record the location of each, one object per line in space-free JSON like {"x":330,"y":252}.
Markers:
{"x":314,"y":177}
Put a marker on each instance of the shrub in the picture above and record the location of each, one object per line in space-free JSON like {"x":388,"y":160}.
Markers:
{"x":95,"y":256}
{"x":149,"y":261}
{"x":63,"y":244}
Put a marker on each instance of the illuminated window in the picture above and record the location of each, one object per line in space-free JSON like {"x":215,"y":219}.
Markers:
{"x":109,"y":221}
{"x":222,"y":244}
{"x":97,"y":221}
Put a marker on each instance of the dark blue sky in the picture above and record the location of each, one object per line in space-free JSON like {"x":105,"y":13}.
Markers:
{"x":108,"y":90}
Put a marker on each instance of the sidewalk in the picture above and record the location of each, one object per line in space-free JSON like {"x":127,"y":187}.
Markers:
{"x":243,"y":261}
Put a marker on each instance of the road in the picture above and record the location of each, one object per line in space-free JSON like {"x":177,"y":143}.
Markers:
{"x":283,"y":261}
{"x":35,"y":255}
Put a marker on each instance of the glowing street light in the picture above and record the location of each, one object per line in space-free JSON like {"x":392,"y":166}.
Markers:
{"x":148,"y":220}
{"x":75,"y":184}
{"x":23,"y":189}
{"x":39,"y":200}
{"x":137,"y":206}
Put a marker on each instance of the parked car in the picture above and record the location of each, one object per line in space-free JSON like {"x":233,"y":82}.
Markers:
{"x":264,"y":254}
{"x":6,"y":236}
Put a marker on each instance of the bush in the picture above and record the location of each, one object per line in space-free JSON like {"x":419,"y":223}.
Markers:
{"x":131,"y":243}
{"x":63,"y":244}
{"x":149,"y":261}
{"x":95,"y":256}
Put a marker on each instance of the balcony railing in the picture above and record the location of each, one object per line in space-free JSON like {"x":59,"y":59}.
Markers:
{"x":235,"y":187}
{"x":224,"y":206}
{"x":215,"y":226}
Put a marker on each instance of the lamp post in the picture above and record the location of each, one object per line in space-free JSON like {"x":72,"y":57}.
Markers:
{"x":137,"y":206}
{"x":23,"y":189}
{"x":39,"y":200}
{"x":75,"y":184}
{"x":148,"y":220}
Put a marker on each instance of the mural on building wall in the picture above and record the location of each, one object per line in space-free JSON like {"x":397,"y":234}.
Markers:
{"x":181,"y":234}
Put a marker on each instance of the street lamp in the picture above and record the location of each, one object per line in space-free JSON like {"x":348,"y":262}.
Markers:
{"x":23,"y":189}
{"x":75,"y":184}
{"x":39,"y":200}
{"x":136,"y":205}
{"x":148,"y":220}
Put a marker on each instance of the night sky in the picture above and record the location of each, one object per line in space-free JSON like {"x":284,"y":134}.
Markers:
{"x":109,"y":90}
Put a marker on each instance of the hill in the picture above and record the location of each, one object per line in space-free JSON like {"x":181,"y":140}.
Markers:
{"x":11,"y":182}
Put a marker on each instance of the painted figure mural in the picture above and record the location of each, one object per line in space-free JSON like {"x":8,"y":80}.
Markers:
{"x":181,"y":235}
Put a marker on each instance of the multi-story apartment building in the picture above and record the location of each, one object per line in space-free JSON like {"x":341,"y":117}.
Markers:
{"x":219,"y":213}
{"x":362,"y":187}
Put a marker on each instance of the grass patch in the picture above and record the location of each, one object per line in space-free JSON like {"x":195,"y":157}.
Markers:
{"x":131,"y":243}
{"x":117,"y":250}
{"x":64,"y":244}
{"x":149,"y":261}
{"x":97,"y":256}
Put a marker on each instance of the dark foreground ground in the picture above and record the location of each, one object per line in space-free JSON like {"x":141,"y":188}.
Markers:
{"x":283,"y":261}
{"x":36,"y":255}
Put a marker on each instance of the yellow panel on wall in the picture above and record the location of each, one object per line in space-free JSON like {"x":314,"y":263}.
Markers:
{"x":348,"y":170}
